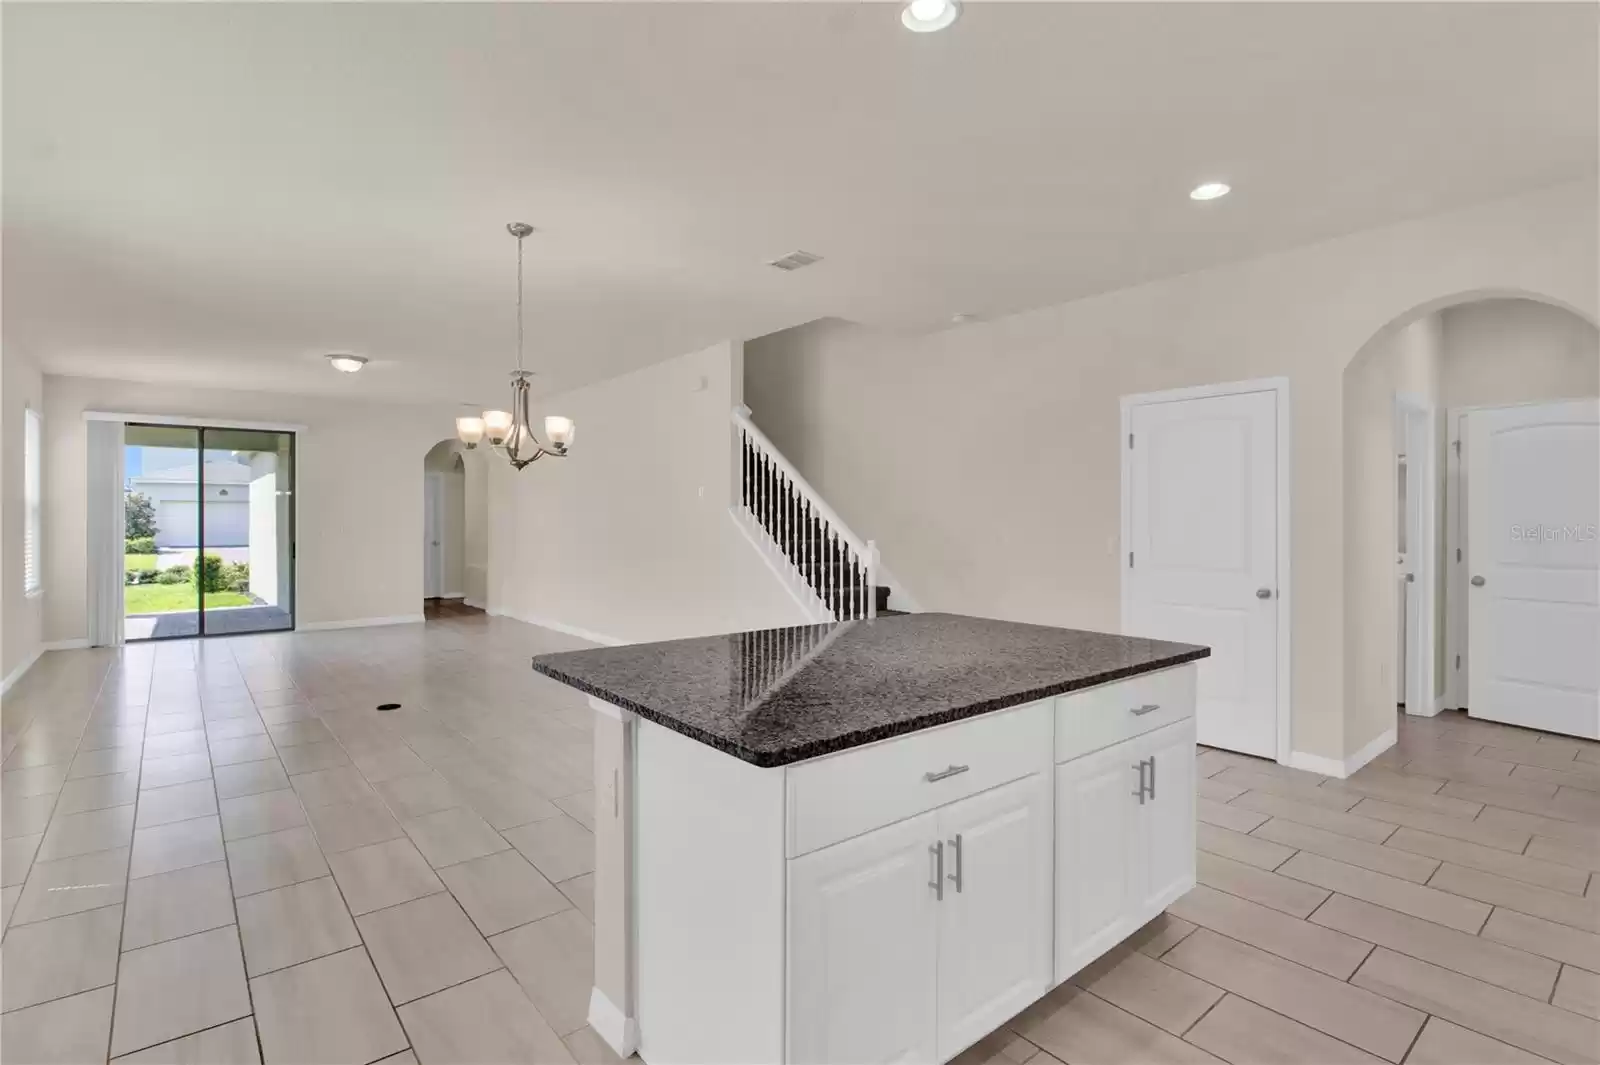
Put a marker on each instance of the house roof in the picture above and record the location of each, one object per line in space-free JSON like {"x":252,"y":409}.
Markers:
{"x":222,"y":472}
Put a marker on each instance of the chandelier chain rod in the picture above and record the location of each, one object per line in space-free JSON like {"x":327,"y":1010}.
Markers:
{"x":519,"y":303}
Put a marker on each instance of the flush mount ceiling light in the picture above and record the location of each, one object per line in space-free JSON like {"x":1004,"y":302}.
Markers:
{"x":1211,"y":190}
{"x":346,"y":363}
{"x":509,"y":431}
{"x":928,"y":16}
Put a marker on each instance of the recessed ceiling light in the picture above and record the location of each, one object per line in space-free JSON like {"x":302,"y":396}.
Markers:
{"x":1211,"y":190}
{"x":345,"y":363}
{"x":926,"y":16}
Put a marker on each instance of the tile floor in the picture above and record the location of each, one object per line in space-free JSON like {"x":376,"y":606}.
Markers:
{"x":221,"y":852}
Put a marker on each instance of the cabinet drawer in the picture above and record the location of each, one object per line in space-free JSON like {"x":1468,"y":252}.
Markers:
{"x":1094,"y":718}
{"x":847,"y":794}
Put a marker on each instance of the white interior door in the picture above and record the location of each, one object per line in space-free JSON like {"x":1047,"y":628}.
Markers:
{"x":1418,"y":475}
{"x":432,"y":562}
{"x":1533,"y":552}
{"x":1201,"y":499}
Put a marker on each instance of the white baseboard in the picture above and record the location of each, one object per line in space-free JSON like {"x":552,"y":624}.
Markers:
{"x":66,"y":645}
{"x":1316,"y":763}
{"x":1371,"y":751}
{"x":467,"y":600}
{"x":359,"y":623}
{"x":1333,"y":767}
{"x":620,"y":1033}
{"x":561,"y":626}
{"x":451,"y":595}
{"x":17,"y":674}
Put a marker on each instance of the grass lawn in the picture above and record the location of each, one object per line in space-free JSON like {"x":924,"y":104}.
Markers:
{"x":139,"y":562}
{"x":164,"y":598}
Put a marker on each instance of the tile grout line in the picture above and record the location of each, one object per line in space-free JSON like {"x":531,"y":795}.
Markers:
{"x":227,"y":865}
{"x":345,"y":902}
{"x":127,"y":881}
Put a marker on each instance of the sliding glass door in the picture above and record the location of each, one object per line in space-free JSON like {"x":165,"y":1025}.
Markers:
{"x":210,"y":531}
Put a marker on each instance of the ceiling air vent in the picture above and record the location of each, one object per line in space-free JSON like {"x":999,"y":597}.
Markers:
{"x":795,"y":260}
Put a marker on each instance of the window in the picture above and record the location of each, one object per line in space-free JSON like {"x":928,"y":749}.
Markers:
{"x":32,"y":534}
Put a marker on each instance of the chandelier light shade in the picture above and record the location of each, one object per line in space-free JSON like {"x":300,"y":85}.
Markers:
{"x":469,"y":430}
{"x":511,"y":432}
{"x":497,"y":426}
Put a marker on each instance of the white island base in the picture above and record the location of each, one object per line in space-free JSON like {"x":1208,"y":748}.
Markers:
{"x":894,"y":902}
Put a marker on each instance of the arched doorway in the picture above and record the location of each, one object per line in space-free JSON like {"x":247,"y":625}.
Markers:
{"x":445,"y":533}
{"x":1412,"y":396}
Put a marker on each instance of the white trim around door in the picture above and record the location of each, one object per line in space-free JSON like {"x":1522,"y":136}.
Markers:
{"x":1279,"y":388}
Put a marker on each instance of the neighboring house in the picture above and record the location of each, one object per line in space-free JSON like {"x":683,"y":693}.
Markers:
{"x":173,"y":490}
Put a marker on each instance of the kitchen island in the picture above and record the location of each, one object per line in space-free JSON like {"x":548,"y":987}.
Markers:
{"x":874,"y":840}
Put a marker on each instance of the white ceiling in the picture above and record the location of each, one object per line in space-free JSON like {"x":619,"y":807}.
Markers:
{"x":221,"y":193}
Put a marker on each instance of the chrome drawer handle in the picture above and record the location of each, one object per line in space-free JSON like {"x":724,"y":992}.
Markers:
{"x":1147,"y":708}
{"x":954,"y":770}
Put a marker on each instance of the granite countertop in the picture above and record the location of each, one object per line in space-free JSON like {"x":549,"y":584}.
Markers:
{"x":778,"y":696}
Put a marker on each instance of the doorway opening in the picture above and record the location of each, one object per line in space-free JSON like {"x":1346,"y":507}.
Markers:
{"x":1473,"y":487}
{"x":445,"y":534}
{"x":209,"y":531}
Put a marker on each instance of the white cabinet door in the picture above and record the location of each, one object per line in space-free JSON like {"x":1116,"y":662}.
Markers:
{"x":1201,"y":512}
{"x":1165,"y":838}
{"x":1533,"y":550}
{"x":995,"y":920}
{"x":863,"y":948}
{"x":1096,"y":822}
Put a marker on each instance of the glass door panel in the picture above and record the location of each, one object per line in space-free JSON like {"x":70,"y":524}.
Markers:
{"x":246,"y":568}
{"x":161,"y":492}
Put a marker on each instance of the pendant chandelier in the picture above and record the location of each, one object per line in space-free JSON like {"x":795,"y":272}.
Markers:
{"x":510,"y":431}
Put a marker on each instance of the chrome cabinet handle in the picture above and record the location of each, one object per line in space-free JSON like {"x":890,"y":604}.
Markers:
{"x":1139,"y":792}
{"x":947,"y":772}
{"x":937,"y":883}
{"x":1139,"y":711}
{"x":1152,"y":778}
{"x":955,"y":877}
{"x":1263,"y":593}
{"x":1478,"y":582}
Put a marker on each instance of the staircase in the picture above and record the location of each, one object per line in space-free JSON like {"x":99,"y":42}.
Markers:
{"x":821,"y":555}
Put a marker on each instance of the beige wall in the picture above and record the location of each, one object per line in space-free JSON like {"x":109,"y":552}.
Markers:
{"x":984,"y":458}
{"x":1517,"y":351}
{"x":629,"y":538}
{"x":21,"y":618}
{"x":1402,"y":360}
{"x":358,"y":493}
{"x":475,"y":565}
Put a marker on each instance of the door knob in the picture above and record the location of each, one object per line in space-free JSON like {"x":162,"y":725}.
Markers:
{"x":1263,"y":593}
{"x":1477,"y":582}
{"x":1410,"y":577}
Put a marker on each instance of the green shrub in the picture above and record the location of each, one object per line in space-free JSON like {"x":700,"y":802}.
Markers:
{"x":140,"y":576}
{"x":175,"y":575}
{"x":236,"y":577}
{"x":209,"y":575}
{"x":140,"y":545}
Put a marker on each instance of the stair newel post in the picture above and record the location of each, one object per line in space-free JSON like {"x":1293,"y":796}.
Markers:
{"x":872,"y":578}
